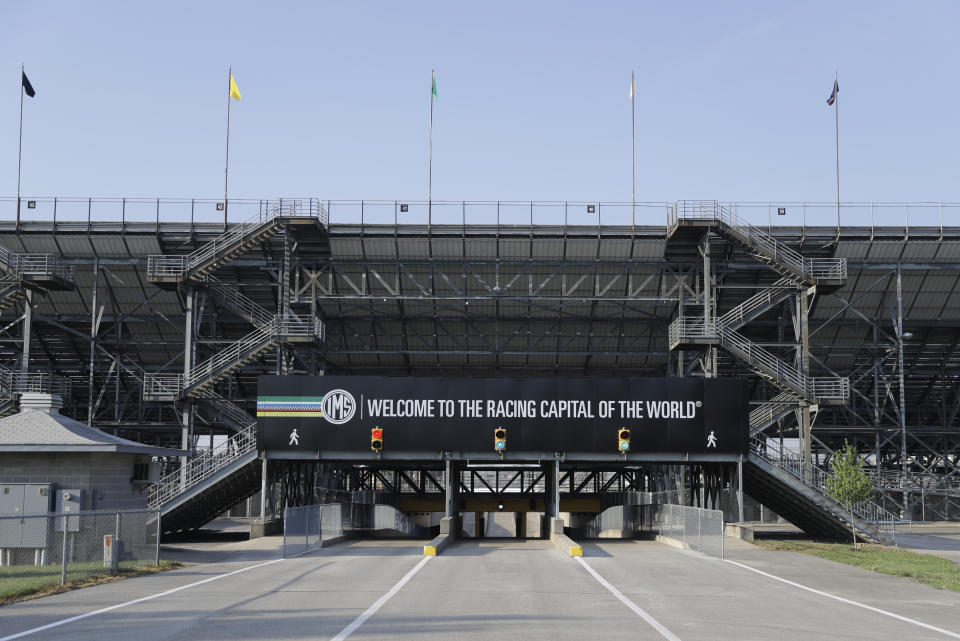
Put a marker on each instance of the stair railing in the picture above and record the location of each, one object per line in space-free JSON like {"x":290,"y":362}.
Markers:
{"x":162,"y":265}
{"x":757,"y":304}
{"x":228,"y":408}
{"x":815,"y":478}
{"x":203,"y":466}
{"x":240,"y":303}
{"x":234,"y":354}
{"x":810,"y":268}
{"x":766,"y":413}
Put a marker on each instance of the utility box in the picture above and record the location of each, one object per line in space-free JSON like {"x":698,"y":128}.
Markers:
{"x":68,"y":501}
{"x":21,"y":499}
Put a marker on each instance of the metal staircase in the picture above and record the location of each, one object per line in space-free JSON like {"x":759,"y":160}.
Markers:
{"x":782,"y":481}
{"x":274,"y":216}
{"x":210,"y":483}
{"x":789,"y":263}
{"x":36,"y":271}
{"x":797,"y":274}
{"x":771,"y":411}
{"x":241,"y":305}
{"x":11,"y":291}
{"x":829,"y":390}
{"x":287,"y":329}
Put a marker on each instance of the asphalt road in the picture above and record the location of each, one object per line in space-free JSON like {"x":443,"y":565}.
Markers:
{"x":492,"y":589}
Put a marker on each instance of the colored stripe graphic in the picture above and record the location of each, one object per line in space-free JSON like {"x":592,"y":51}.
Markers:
{"x":290,"y":406}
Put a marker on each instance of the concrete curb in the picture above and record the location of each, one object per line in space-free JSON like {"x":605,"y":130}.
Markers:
{"x":666,"y":540}
{"x":561,"y":541}
{"x":738,"y":531}
{"x":449,"y":527}
{"x":438,"y":545}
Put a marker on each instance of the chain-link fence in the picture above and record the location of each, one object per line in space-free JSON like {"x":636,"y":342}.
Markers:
{"x":697,"y":528}
{"x":57,"y":548}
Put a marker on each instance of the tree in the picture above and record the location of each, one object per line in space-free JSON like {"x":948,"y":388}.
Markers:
{"x":849,"y":484}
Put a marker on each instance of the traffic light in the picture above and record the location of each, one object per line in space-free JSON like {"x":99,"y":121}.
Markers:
{"x":623,"y":438}
{"x":376,"y":439}
{"x":500,"y":439}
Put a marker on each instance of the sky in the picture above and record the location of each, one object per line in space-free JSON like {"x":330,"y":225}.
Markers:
{"x":131,"y":100}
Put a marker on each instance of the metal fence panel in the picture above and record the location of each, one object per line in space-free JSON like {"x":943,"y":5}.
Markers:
{"x":56,"y":548}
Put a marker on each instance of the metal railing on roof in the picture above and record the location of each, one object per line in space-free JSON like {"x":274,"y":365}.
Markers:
{"x":80,"y":213}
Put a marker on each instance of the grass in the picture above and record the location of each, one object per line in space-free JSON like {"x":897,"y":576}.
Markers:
{"x":20,"y":582}
{"x":924,"y":568}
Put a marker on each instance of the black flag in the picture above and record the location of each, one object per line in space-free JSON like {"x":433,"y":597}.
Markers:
{"x":27,"y":87}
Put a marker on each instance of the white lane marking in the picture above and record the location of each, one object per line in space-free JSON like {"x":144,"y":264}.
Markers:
{"x":369,"y":612}
{"x":135,"y":601}
{"x":843,"y":600}
{"x":656,"y":625}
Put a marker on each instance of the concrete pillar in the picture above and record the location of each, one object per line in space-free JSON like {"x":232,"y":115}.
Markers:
{"x":450,"y":483}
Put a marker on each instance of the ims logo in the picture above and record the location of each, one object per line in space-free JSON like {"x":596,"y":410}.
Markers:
{"x":338,"y":406}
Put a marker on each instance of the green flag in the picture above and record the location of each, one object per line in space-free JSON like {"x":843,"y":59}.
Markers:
{"x":433,"y":88}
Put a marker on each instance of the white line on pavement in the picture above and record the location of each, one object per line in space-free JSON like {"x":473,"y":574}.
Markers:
{"x":135,"y":601}
{"x":369,"y":612}
{"x":843,"y":600}
{"x":659,"y":627}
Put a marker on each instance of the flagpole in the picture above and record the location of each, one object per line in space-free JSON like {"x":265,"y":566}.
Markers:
{"x":633,"y":151}
{"x":20,"y":145}
{"x":836,"y":129}
{"x":226,"y":166}
{"x":433,"y":79}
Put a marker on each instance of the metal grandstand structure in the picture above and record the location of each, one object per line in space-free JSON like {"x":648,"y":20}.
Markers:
{"x":154,"y":320}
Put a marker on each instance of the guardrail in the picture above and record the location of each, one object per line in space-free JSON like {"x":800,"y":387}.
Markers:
{"x":12,"y":383}
{"x":894,"y":479}
{"x":815,"y":478}
{"x":77,"y":214}
{"x":203,"y":465}
{"x":41,"y":266}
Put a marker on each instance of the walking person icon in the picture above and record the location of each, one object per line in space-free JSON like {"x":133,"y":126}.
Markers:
{"x":712,"y":439}
{"x":295,"y":438}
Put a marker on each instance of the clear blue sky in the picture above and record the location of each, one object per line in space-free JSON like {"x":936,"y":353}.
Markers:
{"x":131,"y":99}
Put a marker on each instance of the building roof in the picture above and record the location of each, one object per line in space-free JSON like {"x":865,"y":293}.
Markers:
{"x":40,"y":427}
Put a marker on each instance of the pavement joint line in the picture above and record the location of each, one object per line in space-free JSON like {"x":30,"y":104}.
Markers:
{"x":369,"y":612}
{"x":844,"y":600}
{"x":133,"y":602}
{"x":643,"y":614}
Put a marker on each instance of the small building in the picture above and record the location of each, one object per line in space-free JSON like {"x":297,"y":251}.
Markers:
{"x":45,"y":453}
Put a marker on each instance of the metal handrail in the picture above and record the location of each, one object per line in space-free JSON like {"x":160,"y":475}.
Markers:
{"x":894,"y":479}
{"x":162,"y":265}
{"x":812,"y":388}
{"x":809,"y":269}
{"x":228,"y":408}
{"x":203,"y":466}
{"x":815,"y":478}
{"x":13,"y":383}
{"x":757,"y":304}
{"x":279,"y":326}
{"x":769,"y":410}
{"x":245,"y":306}
{"x":46,"y":266}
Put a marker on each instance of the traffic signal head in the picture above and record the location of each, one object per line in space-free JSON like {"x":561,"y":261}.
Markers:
{"x":500,"y":439}
{"x":376,"y":439}
{"x":623,"y":440}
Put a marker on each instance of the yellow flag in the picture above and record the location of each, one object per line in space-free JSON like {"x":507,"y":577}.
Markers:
{"x":234,"y":90}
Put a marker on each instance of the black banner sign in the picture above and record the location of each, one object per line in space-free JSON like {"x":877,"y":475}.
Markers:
{"x":302,"y":414}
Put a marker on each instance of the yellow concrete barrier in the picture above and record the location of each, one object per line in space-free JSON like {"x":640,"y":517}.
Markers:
{"x":429,"y":550}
